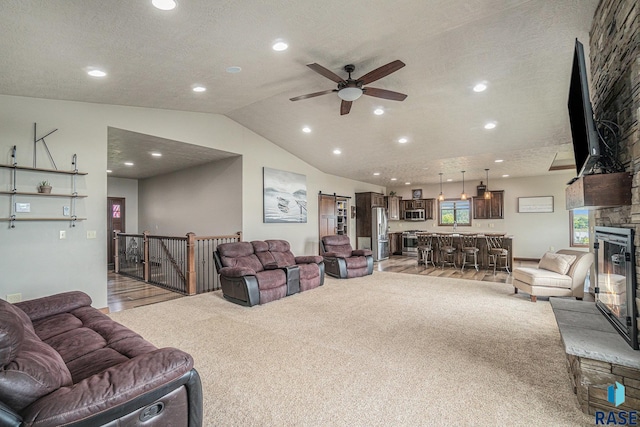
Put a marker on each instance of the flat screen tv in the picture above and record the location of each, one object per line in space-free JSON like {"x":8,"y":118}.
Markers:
{"x":586,"y":143}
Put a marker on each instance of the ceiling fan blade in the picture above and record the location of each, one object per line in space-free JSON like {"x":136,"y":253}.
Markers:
{"x":345,"y":107}
{"x":381,"y":72}
{"x":327,"y":73}
{"x":311,"y":95}
{"x":383,"y":93}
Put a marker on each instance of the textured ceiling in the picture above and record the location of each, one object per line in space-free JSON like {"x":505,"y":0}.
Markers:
{"x":137,"y":148}
{"x":522,"y":49}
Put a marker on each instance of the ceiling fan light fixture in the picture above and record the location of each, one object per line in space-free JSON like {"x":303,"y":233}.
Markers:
{"x":350,"y":93}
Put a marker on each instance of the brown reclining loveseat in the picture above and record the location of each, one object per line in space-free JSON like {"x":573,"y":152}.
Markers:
{"x":66,"y":363}
{"x":262,"y":271}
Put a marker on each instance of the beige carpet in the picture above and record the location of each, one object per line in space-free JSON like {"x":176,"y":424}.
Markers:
{"x":385,"y":350}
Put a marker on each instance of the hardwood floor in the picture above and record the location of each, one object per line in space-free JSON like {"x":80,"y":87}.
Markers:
{"x":409,"y":265}
{"x":125,"y":292}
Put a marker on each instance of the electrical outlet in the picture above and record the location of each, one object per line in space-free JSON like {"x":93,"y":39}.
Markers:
{"x":23,"y":207}
{"x":13,"y":298}
{"x":65,"y":211}
{"x":91,"y":234}
{"x":551,"y":248}
{"x":63,"y":234}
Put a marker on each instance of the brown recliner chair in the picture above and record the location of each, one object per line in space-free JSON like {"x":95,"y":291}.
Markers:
{"x":342,"y":261}
{"x":63,"y":362}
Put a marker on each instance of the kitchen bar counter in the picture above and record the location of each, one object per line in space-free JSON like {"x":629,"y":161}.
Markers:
{"x":483,"y":258}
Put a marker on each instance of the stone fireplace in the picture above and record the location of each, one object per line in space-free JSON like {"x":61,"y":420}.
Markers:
{"x":615,"y":288}
{"x":615,"y":79}
{"x":597,"y":356}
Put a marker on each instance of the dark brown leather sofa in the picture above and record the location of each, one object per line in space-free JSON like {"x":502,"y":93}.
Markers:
{"x":342,"y":261}
{"x":66,"y":363}
{"x":258,"y":272}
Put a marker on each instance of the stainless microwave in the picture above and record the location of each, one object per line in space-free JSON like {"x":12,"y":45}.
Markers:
{"x":414,"y":215}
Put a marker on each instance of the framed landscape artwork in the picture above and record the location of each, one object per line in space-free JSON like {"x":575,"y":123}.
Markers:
{"x":285,"y":196}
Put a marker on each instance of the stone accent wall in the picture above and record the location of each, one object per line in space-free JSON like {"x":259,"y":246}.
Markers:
{"x":591,"y":378}
{"x":615,"y":95}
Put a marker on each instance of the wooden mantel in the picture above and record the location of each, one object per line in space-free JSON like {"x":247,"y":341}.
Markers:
{"x":599,"y":190}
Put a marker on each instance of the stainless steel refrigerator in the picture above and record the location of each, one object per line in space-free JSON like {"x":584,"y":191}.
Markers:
{"x":379,"y":234}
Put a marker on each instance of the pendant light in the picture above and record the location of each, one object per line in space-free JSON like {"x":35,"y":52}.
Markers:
{"x":463,"y":196}
{"x":441,"y":195}
{"x":487,"y":193}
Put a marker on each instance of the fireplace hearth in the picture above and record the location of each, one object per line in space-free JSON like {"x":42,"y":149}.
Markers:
{"x":616,"y":280}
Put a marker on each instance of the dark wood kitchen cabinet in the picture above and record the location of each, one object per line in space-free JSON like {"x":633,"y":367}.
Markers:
{"x":489,"y":208}
{"x":426,"y":204}
{"x":395,"y":243}
{"x":393,"y":207}
{"x":377,"y":200}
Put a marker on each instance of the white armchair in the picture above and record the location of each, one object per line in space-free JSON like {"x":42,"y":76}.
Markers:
{"x":558,"y":274}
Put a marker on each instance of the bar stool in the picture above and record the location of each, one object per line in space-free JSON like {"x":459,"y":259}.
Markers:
{"x":498,"y":255}
{"x":469,"y":248}
{"x":447,"y":249}
{"x":425,"y":249}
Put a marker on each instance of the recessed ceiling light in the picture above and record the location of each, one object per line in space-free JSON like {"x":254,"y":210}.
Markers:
{"x":94,"y":72}
{"x":498,"y":160}
{"x":402,"y":140}
{"x":505,"y":176}
{"x":336,"y":151}
{"x":109,"y":171}
{"x":490,"y":125}
{"x":450,"y":179}
{"x":234,"y":69}
{"x":128,"y":163}
{"x":156,"y":154}
{"x":199,"y":89}
{"x":394,"y":179}
{"x":480,"y":87}
{"x":164,"y":4}
{"x":306,"y":129}
{"x":378,"y":111}
{"x":280,"y":46}
{"x":407,"y":183}
{"x":376,"y":173}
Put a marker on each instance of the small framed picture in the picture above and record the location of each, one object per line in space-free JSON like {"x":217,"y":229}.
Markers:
{"x":416,"y":194}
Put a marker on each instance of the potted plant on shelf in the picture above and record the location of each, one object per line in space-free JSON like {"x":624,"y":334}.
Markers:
{"x":44,"y":187}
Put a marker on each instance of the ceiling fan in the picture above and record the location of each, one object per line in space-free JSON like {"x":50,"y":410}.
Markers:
{"x":351,"y":89}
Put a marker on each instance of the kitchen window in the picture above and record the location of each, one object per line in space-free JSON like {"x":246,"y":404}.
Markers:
{"x":454,"y":211}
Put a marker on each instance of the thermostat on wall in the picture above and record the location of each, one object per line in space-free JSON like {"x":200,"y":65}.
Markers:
{"x":23,"y":207}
